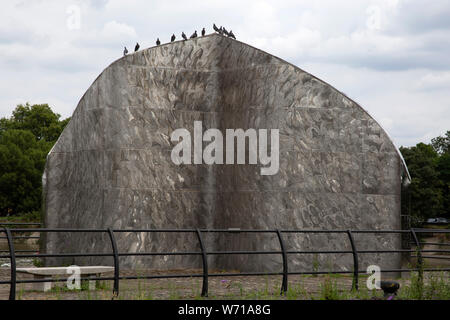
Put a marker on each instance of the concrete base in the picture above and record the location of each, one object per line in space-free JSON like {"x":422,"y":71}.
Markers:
{"x":42,"y":286}
{"x":92,"y":283}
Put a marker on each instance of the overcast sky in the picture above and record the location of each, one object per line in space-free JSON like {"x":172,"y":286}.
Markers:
{"x":390,"y":56}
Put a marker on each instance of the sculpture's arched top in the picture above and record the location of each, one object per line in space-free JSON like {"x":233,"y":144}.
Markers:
{"x":199,"y":74}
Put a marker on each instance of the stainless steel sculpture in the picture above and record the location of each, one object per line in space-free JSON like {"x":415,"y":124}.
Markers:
{"x":111,"y":167}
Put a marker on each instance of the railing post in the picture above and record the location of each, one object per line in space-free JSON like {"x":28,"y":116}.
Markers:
{"x":419,"y":255}
{"x":205,"y":264}
{"x":355,"y":284}
{"x":12,"y":259}
{"x":284,"y":285}
{"x":116,"y":262}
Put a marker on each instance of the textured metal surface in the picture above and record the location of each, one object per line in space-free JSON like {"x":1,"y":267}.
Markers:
{"x":111,"y":167}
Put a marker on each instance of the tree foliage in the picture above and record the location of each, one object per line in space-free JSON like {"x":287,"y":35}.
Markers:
{"x":429,"y":165}
{"x":25,"y":140}
{"x":39,"y":119}
{"x":443,"y":168}
{"x":442,"y":143}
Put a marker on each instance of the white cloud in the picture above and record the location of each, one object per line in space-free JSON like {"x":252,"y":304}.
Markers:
{"x":113,"y":28}
{"x":434,"y":81}
{"x":111,"y":34}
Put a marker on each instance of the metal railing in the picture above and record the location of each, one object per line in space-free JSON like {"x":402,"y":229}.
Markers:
{"x":205,"y":275}
{"x":12,"y":225}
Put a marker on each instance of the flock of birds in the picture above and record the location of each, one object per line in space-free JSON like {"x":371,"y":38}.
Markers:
{"x":220,"y":30}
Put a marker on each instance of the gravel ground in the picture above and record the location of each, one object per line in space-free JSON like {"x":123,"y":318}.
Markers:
{"x":181,"y":288}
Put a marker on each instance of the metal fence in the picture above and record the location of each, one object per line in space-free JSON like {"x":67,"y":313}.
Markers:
{"x":10,"y":235}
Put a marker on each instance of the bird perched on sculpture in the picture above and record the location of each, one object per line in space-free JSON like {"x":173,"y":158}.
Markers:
{"x":172,"y":39}
{"x":215,"y":28}
{"x":220,"y":30}
{"x":158,"y":42}
{"x":225,"y":32}
{"x":136,"y":48}
{"x":231,"y":34}
{"x":125,"y":51}
{"x":194,"y":35}
{"x":203,"y":32}
{"x":183,"y":36}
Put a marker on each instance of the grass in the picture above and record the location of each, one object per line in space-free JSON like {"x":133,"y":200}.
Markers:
{"x":329,"y":290}
{"x":436,"y":287}
{"x":37,"y":262}
{"x":297,"y":292}
{"x":84,"y":286}
{"x":34,"y":216}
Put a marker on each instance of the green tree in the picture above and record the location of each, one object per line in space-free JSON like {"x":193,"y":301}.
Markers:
{"x":25,"y":140}
{"x":442,"y":143}
{"x":442,"y":146}
{"x":444,"y":176}
{"x":39,"y":119}
{"x":22,"y":160}
{"x":425,"y":189}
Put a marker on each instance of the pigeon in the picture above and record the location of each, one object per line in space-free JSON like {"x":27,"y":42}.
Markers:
{"x":215,"y":28}
{"x":158,"y":42}
{"x":225,"y":32}
{"x":231,"y":34}
{"x":125,"y":51}
{"x":136,"y":48}
{"x":173,"y":38}
{"x":183,"y":36}
{"x":194,"y":35}
{"x":203,"y":32}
